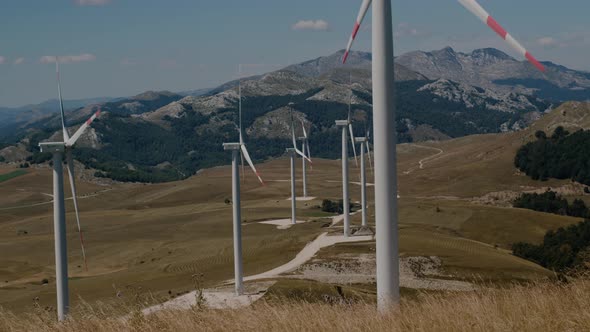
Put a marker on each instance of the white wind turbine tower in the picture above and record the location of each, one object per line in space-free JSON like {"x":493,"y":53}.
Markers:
{"x":364,"y":144}
{"x":58,"y":149}
{"x":385,"y":136}
{"x":238,"y":149}
{"x":292,"y":154}
{"x":346,"y":126}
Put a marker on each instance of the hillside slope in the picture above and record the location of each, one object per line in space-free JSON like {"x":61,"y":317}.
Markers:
{"x":477,"y":165}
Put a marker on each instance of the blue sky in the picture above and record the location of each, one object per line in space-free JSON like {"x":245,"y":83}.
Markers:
{"x":123,"y":47}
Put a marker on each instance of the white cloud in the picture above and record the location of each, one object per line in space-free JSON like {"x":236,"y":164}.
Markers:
{"x":2,"y":60}
{"x":92,"y":2}
{"x":68,"y":58}
{"x":547,"y":42}
{"x":19,"y":61}
{"x":317,"y":25}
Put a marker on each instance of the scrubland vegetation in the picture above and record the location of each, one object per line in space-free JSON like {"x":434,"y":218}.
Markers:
{"x":538,"y":307}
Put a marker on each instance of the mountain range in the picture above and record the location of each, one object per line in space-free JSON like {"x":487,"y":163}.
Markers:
{"x":161,"y":136}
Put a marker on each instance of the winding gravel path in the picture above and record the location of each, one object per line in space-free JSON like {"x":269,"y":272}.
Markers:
{"x":423,"y":161}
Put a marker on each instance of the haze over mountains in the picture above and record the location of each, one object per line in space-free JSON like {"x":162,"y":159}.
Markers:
{"x":160,"y":136}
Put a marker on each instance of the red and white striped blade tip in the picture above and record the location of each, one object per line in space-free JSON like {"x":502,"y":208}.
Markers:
{"x":260,"y":179}
{"x":357,"y":24}
{"x":92,"y":118}
{"x":476,"y":9}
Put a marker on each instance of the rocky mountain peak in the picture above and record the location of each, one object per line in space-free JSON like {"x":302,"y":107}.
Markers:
{"x":473,"y":97}
{"x":154,"y":95}
{"x":490,"y":53}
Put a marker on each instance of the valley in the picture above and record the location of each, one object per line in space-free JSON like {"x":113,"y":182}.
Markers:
{"x":153,"y":238}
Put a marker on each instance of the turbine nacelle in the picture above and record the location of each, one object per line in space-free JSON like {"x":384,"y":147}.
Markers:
{"x":231,"y":146}
{"x":53,"y":147}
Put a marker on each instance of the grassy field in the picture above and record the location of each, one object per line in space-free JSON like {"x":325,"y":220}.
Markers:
{"x":155,"y":237}
{"x":540,"y":307}
{"x":12,"y":175}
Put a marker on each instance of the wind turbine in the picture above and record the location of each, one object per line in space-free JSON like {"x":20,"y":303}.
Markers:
{"x":293,"y":138}
{"x":364,"y":143}
{"x":346,"y":126}
{"x":385,"y":136}
{"x":239,"y":149}
{"x":58,"y":149}
{"x":305,"y":148}
{"x":292,"y":153}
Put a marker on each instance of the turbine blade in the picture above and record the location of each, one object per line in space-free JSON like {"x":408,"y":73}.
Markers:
{"x":303,"y":155}
{"x":75,"y":199}
{"x":307,"y":149}
{"x":477,"y":10}
{"x":303,"y":126}
{"x":61,"y":104}
{"x":359,"y":20}
{"x":369,"y":154}
{"x":82,"y":128}
{"x":308,"y":152}
{"x":240,"y":103}
{"x":293,"y":132}
{"x":353,"y":144}
{"x":243,"y":169}
{"x":303,"y":147}
{"x":249,"y":160}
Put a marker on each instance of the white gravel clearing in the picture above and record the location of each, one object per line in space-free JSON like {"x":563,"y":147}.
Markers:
{"x":282,"y":223}
{"x":322,"y":241}
{"x":415,"y":272}
{"x":220,"y":298}
{"x":303,"y":199}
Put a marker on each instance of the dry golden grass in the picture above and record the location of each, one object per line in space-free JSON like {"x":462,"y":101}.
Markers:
{"x":542,"y":307}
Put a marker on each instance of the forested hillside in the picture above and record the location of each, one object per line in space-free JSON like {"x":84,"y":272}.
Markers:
{"x":551,"y":202}
{"x":563,"y":249}
{"x":563,"y":155}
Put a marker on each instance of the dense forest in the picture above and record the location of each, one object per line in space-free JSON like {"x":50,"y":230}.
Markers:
{"x":561,"y":250}
{"x":550,"y":202}
{"x":564,"y":155}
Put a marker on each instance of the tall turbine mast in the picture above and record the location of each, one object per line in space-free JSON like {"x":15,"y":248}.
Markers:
{"x":343,"y":124}
{"x":292,"y":154}
{"x":385,"y":136}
